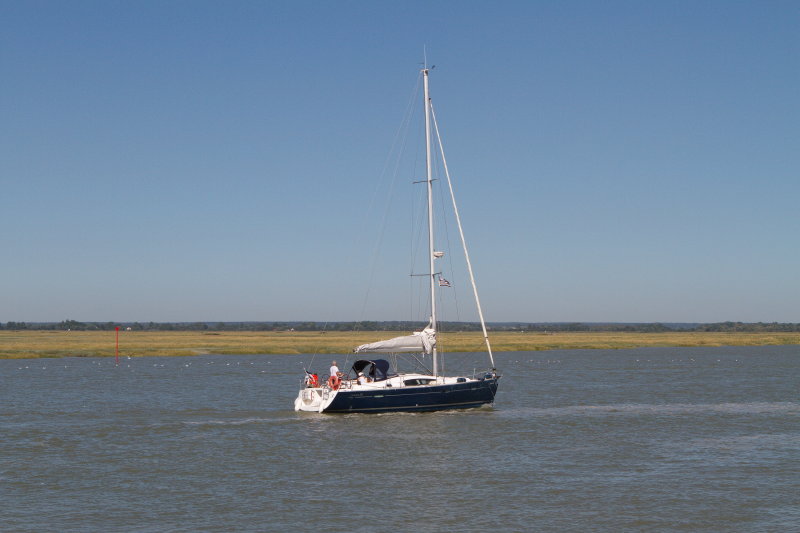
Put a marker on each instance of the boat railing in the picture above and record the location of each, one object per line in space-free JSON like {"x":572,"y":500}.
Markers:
{"x":343,"y":383}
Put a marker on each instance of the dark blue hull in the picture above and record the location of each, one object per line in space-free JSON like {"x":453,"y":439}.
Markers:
{"x":421,"y":398}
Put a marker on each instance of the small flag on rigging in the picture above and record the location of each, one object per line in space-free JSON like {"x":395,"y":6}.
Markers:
{"x":443,"y":282}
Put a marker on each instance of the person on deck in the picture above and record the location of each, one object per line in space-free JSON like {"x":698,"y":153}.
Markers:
{"x":361,"y":379}
{"x":335,"y":370}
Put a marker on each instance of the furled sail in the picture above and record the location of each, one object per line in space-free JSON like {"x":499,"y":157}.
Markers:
{"x":419,"y":341}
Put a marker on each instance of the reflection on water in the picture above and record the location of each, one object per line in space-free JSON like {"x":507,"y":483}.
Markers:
{"x":654,"y":439}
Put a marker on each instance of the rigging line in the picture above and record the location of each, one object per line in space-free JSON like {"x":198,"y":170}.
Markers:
{"x":422,"y":301}
{"x":395,"y":153}
{"x":412,"y":250}
{"x":418,"y":233}
{"x":314,"y":355}
{"x":463,"y":240}
{"x":417,"y":236}
{"x":400,"y":137}
{"x":449,"y":249}
{"x":439,"y":163}
{"x":442,"y":327}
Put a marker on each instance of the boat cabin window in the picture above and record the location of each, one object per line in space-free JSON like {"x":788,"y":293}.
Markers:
{"x":418,"y":381}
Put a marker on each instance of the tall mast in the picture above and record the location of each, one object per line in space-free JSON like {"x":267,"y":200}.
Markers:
{"x":430,"y":211}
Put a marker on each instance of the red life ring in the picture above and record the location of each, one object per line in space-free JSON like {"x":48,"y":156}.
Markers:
{"x":314,"y":380}
{"x":333,"y":382}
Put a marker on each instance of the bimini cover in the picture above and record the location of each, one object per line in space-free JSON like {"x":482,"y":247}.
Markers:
{"x":419,"y":341}
{"x":378,"y":369}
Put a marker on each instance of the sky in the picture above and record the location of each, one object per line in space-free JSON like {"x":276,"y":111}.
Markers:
{"x":621,"y":161}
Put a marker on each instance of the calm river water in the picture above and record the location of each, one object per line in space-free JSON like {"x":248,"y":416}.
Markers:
{"x":688,"y":439}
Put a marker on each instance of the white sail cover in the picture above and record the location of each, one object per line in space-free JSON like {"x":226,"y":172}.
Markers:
{"x":419,"y":341}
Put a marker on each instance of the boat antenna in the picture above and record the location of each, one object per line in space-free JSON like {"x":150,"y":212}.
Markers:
{"x":425,"y":59}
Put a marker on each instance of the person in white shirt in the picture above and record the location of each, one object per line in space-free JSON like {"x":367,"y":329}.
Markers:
{"x":335,"y":370}
{"x":362,"y":380}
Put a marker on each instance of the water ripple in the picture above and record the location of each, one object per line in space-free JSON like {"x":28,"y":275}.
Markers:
{"x":746,"y":408}
{"x":700,"y":440}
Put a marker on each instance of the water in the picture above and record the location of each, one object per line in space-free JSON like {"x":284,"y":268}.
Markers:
{"x":689,"y":439}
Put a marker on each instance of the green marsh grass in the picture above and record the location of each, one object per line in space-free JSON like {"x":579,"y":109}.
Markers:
{"x":34,"y":344}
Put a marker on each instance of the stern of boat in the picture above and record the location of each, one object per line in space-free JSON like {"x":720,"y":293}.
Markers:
{"x":313,"y":399}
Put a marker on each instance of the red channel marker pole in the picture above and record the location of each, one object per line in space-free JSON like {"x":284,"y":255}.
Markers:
{"x":116,"y":351}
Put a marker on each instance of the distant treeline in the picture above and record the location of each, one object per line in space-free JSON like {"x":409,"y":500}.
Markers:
{"x":74,"y":325}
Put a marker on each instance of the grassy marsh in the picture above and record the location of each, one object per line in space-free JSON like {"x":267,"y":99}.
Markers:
{"x":35,"y":344}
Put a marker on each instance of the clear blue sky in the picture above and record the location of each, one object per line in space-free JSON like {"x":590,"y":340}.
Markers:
{"x":185,"y":160}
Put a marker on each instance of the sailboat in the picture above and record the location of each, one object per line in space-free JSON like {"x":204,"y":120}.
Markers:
{"x":372,"y":385}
